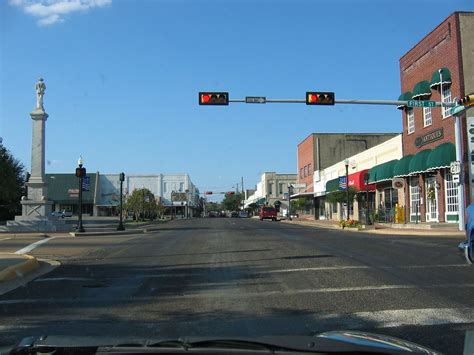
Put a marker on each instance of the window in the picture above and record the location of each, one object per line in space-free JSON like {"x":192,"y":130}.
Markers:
{"x":452,"y":206}
{"x":390,"y":198}
{"x":181,"y":186}
{"x":414,"y":196}
{"x":410,"y":121}
{"x":270,"y":188}
{"x":309,"y":170}
{"x":301,"y":173}
{"x":446,"y":97}
{"x":280,"y":188}
{"x":427,"y":116}
{"x":165,"y":187}
{"x":334,"y":207}
{"x":305,"y":170}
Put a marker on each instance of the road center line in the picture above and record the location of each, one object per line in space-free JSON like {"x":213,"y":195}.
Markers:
{"x":32,"y":246}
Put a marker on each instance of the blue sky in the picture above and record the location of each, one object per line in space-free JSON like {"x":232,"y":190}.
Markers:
{"x":123,"y":78}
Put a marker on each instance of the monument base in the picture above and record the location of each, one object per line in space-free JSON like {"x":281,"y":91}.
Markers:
{"x":36,"y":217}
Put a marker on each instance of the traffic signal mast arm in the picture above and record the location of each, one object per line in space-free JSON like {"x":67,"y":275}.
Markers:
{"x":355,"y":102}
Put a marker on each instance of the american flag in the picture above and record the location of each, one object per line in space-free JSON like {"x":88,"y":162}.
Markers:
{"x":342,"y":183}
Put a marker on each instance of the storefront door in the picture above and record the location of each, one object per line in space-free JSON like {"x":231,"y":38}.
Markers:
{"x":431,"y":201}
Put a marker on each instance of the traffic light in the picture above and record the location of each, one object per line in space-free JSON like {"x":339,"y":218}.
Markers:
{"x":467,"y":100}
{"x":320,"y":98}
{"x":208,"y":192}
{"x":213,"y":98}
{"x":122,"y":177}
{"x":80,"y":172}
{"x":230,"y":193}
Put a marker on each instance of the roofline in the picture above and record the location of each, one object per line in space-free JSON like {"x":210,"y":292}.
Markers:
{"x":455,"y":13}
{"x":350,"y":133}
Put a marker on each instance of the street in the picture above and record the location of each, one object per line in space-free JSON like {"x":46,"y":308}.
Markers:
{"x":244,"y":277}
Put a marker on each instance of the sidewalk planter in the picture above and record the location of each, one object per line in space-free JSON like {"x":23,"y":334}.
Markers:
{"x":351,"y":223}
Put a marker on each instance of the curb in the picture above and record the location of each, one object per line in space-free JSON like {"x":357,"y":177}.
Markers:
{"x":99,"y":234}
{"x":20,"y":269}
{"x":385,"y":231}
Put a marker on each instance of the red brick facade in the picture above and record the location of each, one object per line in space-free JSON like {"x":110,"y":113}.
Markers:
{"x":306,"y":162}
{"x":440,"y":48}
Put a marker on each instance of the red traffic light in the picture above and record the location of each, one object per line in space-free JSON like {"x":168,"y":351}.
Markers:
{"x":230,"y":193}
{"x":80,"y":172}
{"x":320,"y":98}
{"x":208,"y":192}
{"x":213,"y":98}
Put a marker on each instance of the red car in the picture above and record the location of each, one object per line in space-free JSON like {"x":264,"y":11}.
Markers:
{"x":267,"y":212}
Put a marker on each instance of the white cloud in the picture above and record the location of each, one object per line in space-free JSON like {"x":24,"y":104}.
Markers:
{"x":49,"y":12}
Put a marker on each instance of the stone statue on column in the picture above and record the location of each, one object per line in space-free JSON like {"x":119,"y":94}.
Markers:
{"x":40,"y":88}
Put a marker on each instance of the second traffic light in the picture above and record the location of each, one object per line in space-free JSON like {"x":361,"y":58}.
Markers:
{"x":320,"y":98}
{"x":213,"y":98}
{"x":467,"y":100}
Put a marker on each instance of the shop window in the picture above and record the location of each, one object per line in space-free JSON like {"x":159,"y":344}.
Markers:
{"x":414,"y":196}
{"x":452,"y":201}
{"x":446,"y":97}
{"x":427,"y":117}
{"x":334,"y":207}
{"x":410,"y":121}
{"x":390,"y":198}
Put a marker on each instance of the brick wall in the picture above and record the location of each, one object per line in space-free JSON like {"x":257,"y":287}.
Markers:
{"x":305,"y":158}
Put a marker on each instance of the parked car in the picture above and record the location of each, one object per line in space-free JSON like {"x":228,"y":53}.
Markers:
{"x":67,"y":213}
{"x":267,"y":212}
{"x":243,"y":214}
{"x":59,"y":214}
{"x":234,"y":214}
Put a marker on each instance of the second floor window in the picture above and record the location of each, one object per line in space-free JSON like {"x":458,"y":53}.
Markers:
{"x":165,"y":187}
{"x":280,"y":188}
{"x":410,"y":121}
{"x":181,"y":186}
{"x":427,"y":120}
{"x":270,"y":189}
{"x":301,"y":173}
{"x":446,"y":97}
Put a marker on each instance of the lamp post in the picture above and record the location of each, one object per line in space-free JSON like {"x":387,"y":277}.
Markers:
{"x":187,"y":203}
{"x":366,"y":181}
{"x":290,"y":190}
{"x":122,"y":179}
{"x":80,"y":173}
{"x":346,"y":163}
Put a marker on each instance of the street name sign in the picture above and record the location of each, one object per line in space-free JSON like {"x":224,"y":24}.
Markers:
{"x":416,"y":103}
{"x":255,"y":99}
{"x":457,"y":109}
{"x":298,"y":186}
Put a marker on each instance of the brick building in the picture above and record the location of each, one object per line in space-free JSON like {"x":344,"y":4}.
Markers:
{"x":428,"y":133}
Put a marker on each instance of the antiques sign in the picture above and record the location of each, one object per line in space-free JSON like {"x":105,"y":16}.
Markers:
{"x":429,"y":137}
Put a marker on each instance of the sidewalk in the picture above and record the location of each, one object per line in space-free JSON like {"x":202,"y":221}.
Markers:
{"x":381,"y":229}
{"x":15,"y":265}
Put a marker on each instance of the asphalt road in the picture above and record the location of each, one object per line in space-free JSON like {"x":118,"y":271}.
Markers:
{"x":243,"y":277}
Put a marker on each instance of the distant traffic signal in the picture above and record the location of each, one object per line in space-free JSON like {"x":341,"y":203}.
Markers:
{"x":208,"y":192}
{"x":230,"y":193}
{"x":213,"y":98}
{"x":467,"y":100}
{"x":80,"y":172}
{"x":320,"y":98}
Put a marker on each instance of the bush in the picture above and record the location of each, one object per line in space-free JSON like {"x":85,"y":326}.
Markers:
{"x":351,"y":223}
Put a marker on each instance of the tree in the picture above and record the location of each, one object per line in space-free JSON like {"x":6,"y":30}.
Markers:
{"x":232,"y":202}
{"x":12,"y":183}
{"x":142,"y":204}
{"x":299,"y":204}
{"x":341,"y":196}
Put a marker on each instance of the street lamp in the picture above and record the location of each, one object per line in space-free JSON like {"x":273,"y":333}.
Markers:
{"x":122,"y":179}
{"x":366,"y":181}
{"x":80,"y":173}
{"x":346,"y":163}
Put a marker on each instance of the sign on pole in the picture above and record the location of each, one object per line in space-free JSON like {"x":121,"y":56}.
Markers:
{"x":456,"y":179}
{"x":255,"y":99}
{"x":455,"y":167}
{"x":457,"y":109}
{"x":416,"y":103}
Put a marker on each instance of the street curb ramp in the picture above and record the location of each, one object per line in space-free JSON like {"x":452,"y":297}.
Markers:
{"x":20,"y":269}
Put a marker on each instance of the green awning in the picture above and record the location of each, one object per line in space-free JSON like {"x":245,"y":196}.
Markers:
{"x":421,"y":90}
{"x":261,"y":202}
{"x":404,"y":97}
{"x":435,"y":79}
{"x":441,"y":156}
{"x":401,"y":168}
{"x":332,"y":185}
{"x":418,"y":163}
{"x":385,"y":171}
{"x":373,"y":174}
